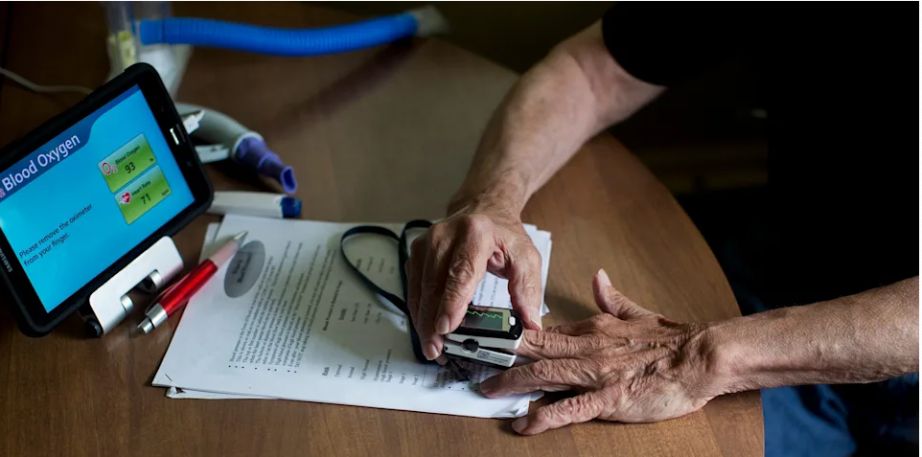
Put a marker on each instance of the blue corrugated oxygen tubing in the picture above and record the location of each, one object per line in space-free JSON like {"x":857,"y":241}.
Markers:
{"x":290,"y":42}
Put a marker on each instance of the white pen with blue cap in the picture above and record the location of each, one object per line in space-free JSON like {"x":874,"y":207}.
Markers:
{"x":261,"y":204}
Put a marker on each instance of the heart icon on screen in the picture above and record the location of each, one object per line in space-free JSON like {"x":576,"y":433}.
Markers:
{"x":125,"y":198}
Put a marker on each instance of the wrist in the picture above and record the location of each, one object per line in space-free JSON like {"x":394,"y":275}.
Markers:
{"x":504,"y":200}
{"x":696,"y":354}
{"x":725,"y":359}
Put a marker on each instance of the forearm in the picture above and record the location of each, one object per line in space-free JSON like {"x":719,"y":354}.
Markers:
{"x":866,"y":337}
{"x":575,"y":92}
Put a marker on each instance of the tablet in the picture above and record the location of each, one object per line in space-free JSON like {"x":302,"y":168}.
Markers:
{"x":90,"y":190}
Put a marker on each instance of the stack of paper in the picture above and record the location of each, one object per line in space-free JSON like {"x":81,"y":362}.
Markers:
{"x":286,"y":318}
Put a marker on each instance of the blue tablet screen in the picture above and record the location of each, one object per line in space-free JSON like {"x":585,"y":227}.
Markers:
{"x":78,"y":203}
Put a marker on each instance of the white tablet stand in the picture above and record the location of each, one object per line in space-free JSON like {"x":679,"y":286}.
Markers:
{"x":110,"y":303}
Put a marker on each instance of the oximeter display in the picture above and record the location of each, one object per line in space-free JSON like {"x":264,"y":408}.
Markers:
{"x":80,"y":202}
{"x":486,"y":319}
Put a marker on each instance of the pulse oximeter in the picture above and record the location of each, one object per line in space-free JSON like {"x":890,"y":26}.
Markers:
{"x":486,"y":335}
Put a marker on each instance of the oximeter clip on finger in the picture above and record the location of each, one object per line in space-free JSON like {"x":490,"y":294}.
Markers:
{"x":487,"y":335}
{"x":89,"y":202}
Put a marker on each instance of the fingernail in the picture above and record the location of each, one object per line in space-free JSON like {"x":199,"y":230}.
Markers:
{"x":443,"y":327}
{"x":604,"y":280}
{"x":432,"y":351}
{"x":519,"y":424}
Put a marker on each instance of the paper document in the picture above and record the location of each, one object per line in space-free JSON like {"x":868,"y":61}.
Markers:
{"x":286,"y":318}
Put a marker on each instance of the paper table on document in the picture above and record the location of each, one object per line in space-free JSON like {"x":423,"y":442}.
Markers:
{"x":287,"y":319}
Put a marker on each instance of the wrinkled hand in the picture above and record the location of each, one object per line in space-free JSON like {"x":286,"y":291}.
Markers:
{"x":448,"y":262}
{"x":628,"y":364}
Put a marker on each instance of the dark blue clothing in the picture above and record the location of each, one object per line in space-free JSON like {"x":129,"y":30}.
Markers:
{"x":822,"y":420}
{"x":874,"y":419}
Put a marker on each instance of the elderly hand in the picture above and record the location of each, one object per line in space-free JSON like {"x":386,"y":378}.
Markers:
{"x":628,"y":364}
{"x":447,"y":264}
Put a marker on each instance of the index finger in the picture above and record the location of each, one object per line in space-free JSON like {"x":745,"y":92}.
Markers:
{"x":466,"y":268}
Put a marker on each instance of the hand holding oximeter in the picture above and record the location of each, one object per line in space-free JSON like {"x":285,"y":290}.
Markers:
{"x":89,"y":199}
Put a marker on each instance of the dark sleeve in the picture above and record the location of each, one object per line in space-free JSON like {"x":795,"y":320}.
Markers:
{"x":669,"y":43}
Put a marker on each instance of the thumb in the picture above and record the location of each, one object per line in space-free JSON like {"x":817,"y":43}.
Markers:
{"x":524,"y":274}
{"x":613,"y":302}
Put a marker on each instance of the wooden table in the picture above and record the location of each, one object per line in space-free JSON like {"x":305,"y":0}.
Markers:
{"x":381,"y":135}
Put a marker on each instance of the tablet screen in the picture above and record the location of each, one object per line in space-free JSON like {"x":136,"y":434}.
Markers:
{"x":75,"y":205}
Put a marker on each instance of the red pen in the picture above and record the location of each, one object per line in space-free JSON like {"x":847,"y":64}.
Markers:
{"x":177,"y":295}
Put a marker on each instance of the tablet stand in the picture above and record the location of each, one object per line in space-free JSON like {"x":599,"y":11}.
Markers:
{"x":110,"y":303}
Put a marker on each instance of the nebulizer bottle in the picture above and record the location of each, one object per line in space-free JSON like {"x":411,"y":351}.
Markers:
{"x":125,"y":47}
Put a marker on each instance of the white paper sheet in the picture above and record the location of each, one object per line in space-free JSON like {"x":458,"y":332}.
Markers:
{"x":211,"y":233}
{"x":315,"y":332}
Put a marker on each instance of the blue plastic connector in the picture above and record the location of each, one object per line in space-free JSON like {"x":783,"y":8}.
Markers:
{"x":254,"y":153}
{"x":291,"y":207}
